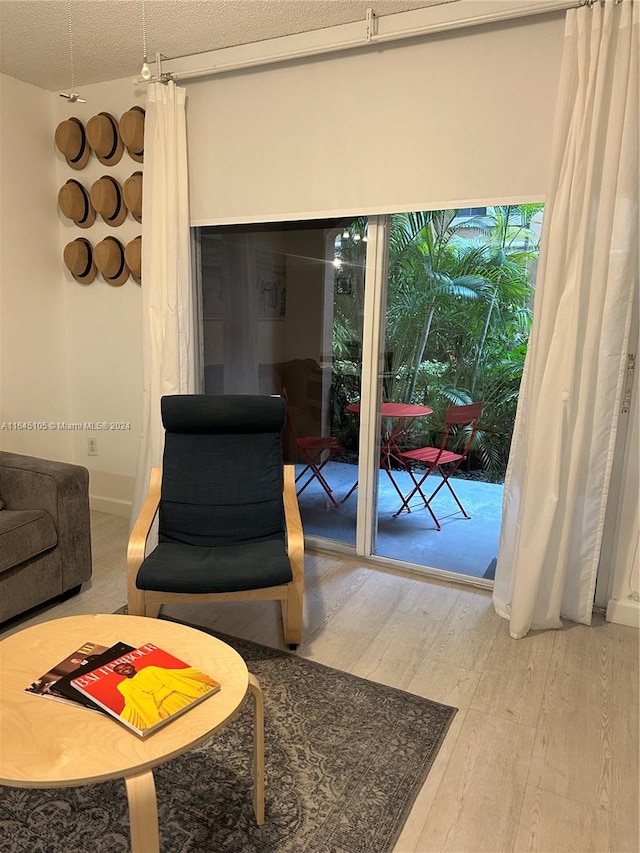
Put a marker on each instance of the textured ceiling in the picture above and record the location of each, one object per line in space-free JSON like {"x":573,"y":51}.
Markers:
{"x":108,"y":40}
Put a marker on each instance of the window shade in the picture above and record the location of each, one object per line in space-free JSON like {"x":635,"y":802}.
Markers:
{"x":441,"y":121}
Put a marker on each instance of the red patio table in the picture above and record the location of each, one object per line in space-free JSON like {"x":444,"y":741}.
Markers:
{"x":397,"y":418}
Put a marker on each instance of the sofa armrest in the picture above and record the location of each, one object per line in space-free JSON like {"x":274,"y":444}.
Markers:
{"x":62,"y":489}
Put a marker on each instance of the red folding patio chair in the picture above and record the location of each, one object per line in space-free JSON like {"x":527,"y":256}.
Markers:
{"x":442,"y":460}
{"x":315,"y":451}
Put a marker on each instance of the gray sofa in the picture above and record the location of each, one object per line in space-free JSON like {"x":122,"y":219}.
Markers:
{"x":45,"y":533}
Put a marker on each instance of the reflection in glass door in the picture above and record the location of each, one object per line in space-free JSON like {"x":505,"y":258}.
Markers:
{"x":283,"y":308}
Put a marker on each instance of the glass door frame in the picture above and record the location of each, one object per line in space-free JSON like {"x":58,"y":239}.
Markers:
{"x":372,"y":336}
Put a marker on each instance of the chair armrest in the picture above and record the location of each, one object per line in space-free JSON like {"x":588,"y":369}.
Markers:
{"x":295,"y":535}
{"x":136,"y":549}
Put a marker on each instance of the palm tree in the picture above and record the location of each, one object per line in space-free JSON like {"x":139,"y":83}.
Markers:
{"x":458,"y":313}
{"x":423,"y":271}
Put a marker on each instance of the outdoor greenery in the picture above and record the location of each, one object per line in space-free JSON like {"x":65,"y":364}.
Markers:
{"x":459,"y":305}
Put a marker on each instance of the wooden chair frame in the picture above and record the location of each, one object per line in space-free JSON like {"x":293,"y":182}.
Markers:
{"x":148,"y":602}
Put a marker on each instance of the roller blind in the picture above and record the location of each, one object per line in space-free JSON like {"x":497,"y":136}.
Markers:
{"x":441,"y":121}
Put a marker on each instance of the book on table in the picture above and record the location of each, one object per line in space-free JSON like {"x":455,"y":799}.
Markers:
{"x":145,"y":688}
{"x":63,"y":687}
{"x":45,"y":685}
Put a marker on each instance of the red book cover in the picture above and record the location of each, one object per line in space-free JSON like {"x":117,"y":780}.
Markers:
{"x":146,"y":688}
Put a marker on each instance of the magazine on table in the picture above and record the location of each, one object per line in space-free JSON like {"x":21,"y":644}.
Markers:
{"x":65,"y":690}
{"x":145,"y":688}
{"x":43,"y":685}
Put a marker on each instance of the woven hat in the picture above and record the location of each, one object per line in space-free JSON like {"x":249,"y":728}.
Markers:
{"x":78,"y":258}
{"x":109,"y":258}
{"x":104,"y":138}
{"x":132,"y":191}
{"x":108,"y":200}
{"x":71,"y":141}
{"x":132,"y":132}
{"x":75,"y":203}
{"x":133,"y":257}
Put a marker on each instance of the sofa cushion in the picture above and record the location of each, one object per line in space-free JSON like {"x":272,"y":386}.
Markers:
{"x":24,"y":533}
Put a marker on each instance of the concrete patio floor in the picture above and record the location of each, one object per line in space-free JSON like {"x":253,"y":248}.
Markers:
{"x":464,"y":546}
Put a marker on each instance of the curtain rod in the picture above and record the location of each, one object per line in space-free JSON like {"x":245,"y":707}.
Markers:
{"x":368,"y":33}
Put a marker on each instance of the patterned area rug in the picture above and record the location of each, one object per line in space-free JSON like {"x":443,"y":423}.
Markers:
{"x":344,"y":759}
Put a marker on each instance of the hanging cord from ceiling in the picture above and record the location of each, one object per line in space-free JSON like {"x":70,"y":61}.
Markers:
{"x":72,"y":97}
{"x":145,"y":71}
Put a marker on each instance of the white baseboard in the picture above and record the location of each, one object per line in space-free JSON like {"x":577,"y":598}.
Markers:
{"x":624,"y":612}
{"x":110,"y":505}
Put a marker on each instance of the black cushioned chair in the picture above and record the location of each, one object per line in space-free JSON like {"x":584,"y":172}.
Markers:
{"x":228,"y":522}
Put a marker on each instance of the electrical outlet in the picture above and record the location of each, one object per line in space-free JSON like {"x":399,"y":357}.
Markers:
{"x":92,"y":446}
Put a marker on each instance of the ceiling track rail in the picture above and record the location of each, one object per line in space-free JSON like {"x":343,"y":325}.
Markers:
{"x":372,"y":31}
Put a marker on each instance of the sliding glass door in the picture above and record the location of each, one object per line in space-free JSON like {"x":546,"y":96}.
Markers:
{"x":372,"y":328}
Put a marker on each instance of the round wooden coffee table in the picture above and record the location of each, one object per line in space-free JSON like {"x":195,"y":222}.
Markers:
{"x":45,"y":744}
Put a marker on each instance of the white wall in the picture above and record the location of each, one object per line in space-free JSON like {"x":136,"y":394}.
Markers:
{"x":103,"y":324}
{"x":34,"y":386}
{"x":70,"y":353}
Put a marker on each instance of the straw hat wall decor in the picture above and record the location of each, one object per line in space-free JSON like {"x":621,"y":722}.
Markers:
{"x":110,"y":260}
{"x":107,"y":196}
{"x":71,"y":141}
{"x":104,"y":137}
{"x":78,"y":258}
{"x":132,"y":132}
{"x":133,"y":258}
{"x":108,"y":200}
{"x":132,"y":191}
{"x":75,"y":203}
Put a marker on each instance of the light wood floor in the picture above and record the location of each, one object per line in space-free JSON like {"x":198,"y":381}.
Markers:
{"x":543,"y":754}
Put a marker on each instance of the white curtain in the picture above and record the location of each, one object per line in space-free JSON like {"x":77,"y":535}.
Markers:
{"x":557,"y":480}
{"x":169,"y":334}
